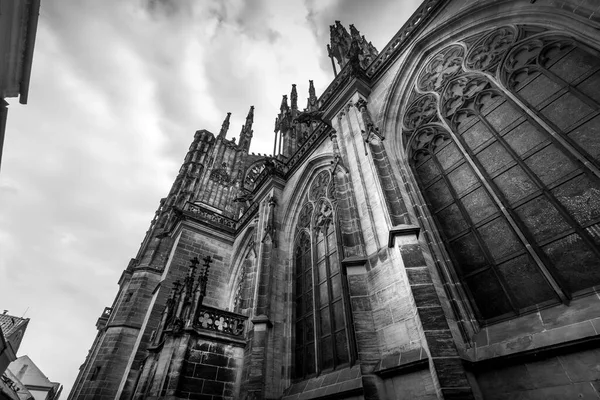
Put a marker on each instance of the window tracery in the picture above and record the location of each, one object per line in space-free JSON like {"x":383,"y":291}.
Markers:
{"x":506,"y":193}
{"x":321,"y":334}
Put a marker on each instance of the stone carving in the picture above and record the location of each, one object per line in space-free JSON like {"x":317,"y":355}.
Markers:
{"x":331,"y":190}
{"x":531,"y":55}
{"x":371,"y":131}
{"x":489,"y":50}
{"x":426,"y":140}
{"x":460,"y":90}
{"x":253,"y":174}
{"x":220,"y":176}
{"x":441,"y":68}
{"x":422,"y":111}
{"x":318,"y":188}
{"x":305,"y":214}
{"x":324,"y":216}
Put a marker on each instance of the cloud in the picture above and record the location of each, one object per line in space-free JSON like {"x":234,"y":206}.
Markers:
{"x":118,"y":89}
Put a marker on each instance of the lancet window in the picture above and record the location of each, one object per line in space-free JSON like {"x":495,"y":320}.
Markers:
{"x":321,"y":317}
{"x":503,"y":135}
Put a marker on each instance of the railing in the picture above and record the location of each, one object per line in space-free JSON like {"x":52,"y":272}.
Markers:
{"x":221,"y":321}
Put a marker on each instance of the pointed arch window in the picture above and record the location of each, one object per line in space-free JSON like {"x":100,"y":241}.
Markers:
{"x":513,"y":188}
{"x":321,"y":309}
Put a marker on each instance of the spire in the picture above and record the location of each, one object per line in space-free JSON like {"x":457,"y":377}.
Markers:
{"x":294,"y":97}
{"x":284,"y":104}
{"x":354,"y":33}
{"x":249,"y":119}
{"x":246,"y":133}
{"x":312,"y":97}
{"x":225,"y":126}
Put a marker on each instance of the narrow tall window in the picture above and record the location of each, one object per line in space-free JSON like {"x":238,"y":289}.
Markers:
{"x":305,"y":329}
{"x":321,"y":334}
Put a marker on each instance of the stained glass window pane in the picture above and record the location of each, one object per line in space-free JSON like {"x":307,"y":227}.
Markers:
{"x":310,"y":360}
{"x":331,"y":245}
{"x":327,"y":353}
{"x":338,"y":315}
{"x":325,"y":321}
{"x":341,"y":347}
{"x":334,"y":264}
{"x":549,"y":172}
{"x":581,"y":197}
{"x":527,"y":284}
{"x":323,"y":296}
{"x":575,"y":262}
{"x":488,"y":294}
{"x":321,"y":267}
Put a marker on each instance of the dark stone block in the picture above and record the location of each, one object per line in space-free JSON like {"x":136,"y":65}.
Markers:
{"x":450,"y":372}
{"x":441,"y":343}
{"x":425,"y":296}
{"x":433,"y":318}
{"x":412,"y":255}
{"x":205,"y":371}
{"x":188,"y":369}
{"x":226,"y":375}
{"x":216,"y":359}
{"x":458,"y":394}
{"x":213,"y":387}
{"x":217,"y":348}
{"x":199,"y":396}
{"x":419,"y":276}
{"x":191,"y":385}
{"x":196,"y":356}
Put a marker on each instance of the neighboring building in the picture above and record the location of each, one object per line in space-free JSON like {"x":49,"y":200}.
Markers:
{"x":429,"y":227}
{"x":18,"y":27}
{"x":12,"y":330}
{"x":34,"y":380}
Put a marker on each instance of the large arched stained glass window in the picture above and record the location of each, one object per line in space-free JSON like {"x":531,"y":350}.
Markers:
{"x":513,"y":187}
{"x":321,"y":317}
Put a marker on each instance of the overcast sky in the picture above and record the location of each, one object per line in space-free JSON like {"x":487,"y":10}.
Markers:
{"x":118,"y":89}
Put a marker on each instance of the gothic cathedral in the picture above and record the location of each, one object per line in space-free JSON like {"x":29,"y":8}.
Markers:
{"x":427,"y":228}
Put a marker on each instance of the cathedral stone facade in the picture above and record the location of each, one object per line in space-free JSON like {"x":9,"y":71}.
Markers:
{"x":427,"y":228}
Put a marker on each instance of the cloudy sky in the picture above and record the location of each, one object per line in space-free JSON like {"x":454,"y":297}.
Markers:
{"x":118,"y":89}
